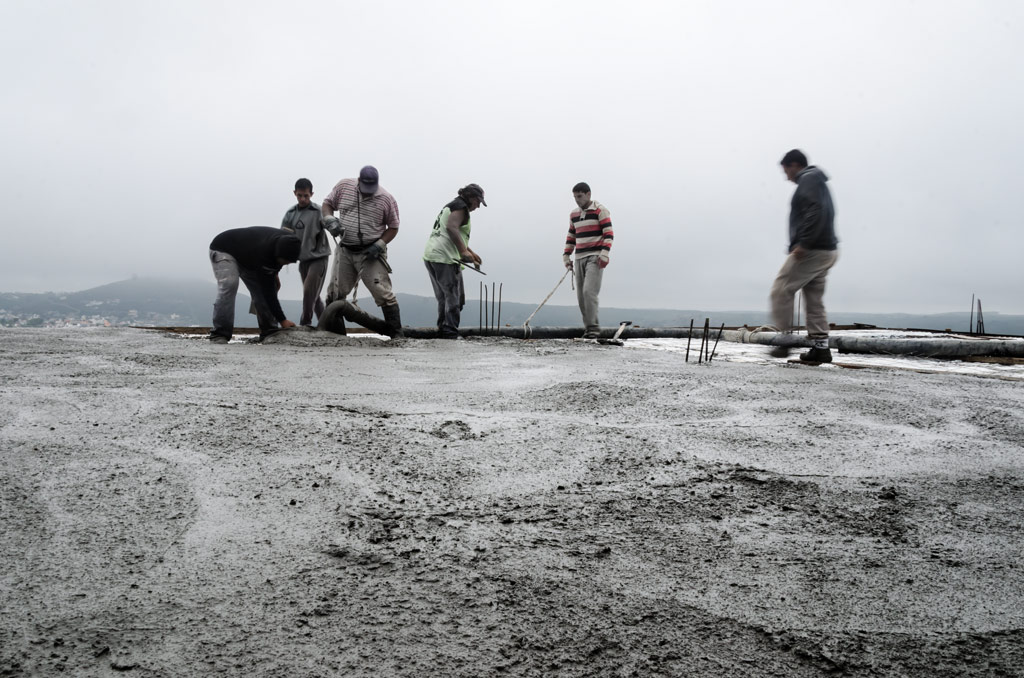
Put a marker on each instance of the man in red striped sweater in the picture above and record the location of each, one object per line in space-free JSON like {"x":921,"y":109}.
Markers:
{"x":590,"y":235}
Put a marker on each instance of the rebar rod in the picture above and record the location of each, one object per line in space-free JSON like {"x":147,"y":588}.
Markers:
{"x":688,"y":338}
{"x":707,"y":340}
{"x":703,"y":337}
{"x":720,"y":330}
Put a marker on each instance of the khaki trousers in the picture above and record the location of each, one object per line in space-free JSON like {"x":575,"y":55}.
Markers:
{"x":588,"y":273}
{"x":350,"y":266}
{"x":808,"y":274}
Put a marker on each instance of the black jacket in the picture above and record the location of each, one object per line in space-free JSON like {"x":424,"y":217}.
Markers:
{"x":257,"y":249}
{"x":811,"y":215}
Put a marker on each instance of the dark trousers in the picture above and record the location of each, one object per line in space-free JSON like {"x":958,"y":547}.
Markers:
{"x":446,"y":280}
{"x":313,"y":274}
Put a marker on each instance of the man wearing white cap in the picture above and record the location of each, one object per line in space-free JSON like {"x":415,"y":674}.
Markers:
{"x":367,"y":221}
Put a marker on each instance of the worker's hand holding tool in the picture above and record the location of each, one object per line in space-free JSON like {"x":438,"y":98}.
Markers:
{"x":375,"y":250}
{"x":332,"y":224}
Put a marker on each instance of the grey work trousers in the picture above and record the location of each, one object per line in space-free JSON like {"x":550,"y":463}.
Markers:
{"x":588,"y":274}
{"x":227,"y":272}
{"x":313,"y":274}
{"x":450,"y":293}
{"x":807,"y":273}
{"x":351,"y":266}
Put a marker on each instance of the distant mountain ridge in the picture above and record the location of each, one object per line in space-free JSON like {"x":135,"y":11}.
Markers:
{"x":175,"y":302}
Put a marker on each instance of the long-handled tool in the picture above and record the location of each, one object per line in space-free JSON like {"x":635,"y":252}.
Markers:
{"x":615,"y":341}
{"x":473,"y":267}
{"x":526,"y":325}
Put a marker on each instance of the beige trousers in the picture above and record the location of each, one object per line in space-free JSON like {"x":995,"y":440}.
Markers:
{"x":808,"y":274}
{"x":351,"y":266}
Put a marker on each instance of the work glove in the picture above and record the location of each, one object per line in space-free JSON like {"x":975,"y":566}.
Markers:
{"x":332,"y":225}
{"x":375,"y":250}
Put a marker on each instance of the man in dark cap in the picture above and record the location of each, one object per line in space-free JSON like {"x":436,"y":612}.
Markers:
{"x":446,"y":252}
{"x":253,"y":255}
{"x":367,"y":221}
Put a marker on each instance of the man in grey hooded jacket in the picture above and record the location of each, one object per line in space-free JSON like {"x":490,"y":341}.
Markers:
{"x":303,"y":219}
{"x":812,"y":252}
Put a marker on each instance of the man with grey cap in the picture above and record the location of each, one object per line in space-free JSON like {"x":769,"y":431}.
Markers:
{"x":367,"y":221}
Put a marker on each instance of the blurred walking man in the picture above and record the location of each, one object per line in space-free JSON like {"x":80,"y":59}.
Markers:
{"x":590,"y":235}
{"x":303,"y":220}
{"x":812,"y":252}
{"x":367,"y":222}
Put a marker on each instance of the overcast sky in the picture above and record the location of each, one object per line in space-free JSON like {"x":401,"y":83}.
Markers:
{"x":133,"y":132}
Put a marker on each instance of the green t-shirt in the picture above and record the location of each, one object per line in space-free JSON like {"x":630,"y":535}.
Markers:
{"x":440,"y":249}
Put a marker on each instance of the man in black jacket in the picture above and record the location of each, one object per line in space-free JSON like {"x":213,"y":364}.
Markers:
{"x":253,"y":255}
{"x":812,"y":252}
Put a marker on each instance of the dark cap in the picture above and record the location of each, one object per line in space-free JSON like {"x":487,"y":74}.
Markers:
{"x":368,"y":179}
{"x":474,"y":191}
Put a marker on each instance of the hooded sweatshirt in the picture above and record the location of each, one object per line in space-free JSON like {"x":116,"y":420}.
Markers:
{"x":304,"y":222}
{"x":811,"y":215}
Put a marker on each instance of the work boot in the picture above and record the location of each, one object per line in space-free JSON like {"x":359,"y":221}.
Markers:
{"x":218,"y":339}
{"x":817,"y":355}
{"x":393,"y":318}
{"x":779,"y":352}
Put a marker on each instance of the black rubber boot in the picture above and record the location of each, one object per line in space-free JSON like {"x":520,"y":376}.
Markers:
{"x":332,"y":319}
{"x":817,"y":355}
{"x":393,"y":317}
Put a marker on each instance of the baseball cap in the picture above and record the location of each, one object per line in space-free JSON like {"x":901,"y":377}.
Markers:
{"x":474,"y":191}
{"x":368,"y":179}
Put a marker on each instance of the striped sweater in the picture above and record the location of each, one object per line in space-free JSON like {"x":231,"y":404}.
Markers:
{"x":590,"y":232}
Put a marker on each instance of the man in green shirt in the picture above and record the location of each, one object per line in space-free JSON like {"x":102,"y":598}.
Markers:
{"x":446,"y":251}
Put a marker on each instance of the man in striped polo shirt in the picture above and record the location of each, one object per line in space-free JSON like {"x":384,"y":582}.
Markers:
{"x":590,"y":235}
{"x":368,"y":222}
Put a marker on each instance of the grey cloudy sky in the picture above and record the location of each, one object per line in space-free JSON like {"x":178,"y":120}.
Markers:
{"x":133,"y":132}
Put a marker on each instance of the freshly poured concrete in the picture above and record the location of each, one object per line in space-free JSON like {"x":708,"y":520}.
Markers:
{"x":324,"y":505}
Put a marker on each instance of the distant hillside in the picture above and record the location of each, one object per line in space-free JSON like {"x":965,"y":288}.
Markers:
{"x":163,"y":302}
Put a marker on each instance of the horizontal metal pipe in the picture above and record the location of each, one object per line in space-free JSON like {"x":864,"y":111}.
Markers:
{"x":912,"y":346}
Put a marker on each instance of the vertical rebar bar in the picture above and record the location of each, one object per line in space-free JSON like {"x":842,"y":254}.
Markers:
{"x":487,"y":320}
{"x":499,"y":305}
{"x":480,"y":325}
{"x":720,"y":330}
{"x":688,"y":338}
{"x":707,"y":340}
{"x":492,"y":306}
{"x":703,"y":336}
